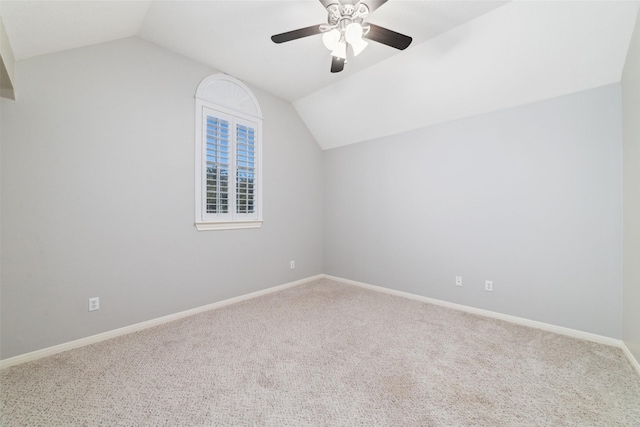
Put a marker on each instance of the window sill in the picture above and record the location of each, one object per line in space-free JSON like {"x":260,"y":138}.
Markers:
{"x":228,"y":225}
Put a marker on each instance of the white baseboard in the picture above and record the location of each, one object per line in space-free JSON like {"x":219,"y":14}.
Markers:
{"x":27,"y":357}
{"x":512,"y":319}
{"x":632,"y":359}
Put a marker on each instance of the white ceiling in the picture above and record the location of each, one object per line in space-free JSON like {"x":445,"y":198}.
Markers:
{"x":467,"y":57}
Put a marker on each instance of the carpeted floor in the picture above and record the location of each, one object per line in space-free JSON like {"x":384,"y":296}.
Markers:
{"x":328,"y":354}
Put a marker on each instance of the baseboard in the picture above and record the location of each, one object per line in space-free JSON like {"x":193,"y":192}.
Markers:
{"x":632,"y":359}
{"x":34,"y":355}
{"x":27,"y":357}
{"x":512,"y":319}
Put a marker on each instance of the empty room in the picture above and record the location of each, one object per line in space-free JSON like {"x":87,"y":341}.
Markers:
{"x":319,"y":213}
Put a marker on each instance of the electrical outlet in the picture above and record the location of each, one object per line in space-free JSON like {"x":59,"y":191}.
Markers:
{"x":94,"y":303}
{"x":488,"y":285}
{"x":292,"y":264}
{"x":458,"y":281}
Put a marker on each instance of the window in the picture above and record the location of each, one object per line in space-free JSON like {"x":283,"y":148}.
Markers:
{"x":228,"y":155}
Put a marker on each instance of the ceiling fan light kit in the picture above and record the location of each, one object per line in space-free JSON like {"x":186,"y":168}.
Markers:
{"x":345,"y":27}
{"x":331,"y":39}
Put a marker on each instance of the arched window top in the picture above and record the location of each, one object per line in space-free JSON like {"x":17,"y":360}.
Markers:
{"x":228,"y":92}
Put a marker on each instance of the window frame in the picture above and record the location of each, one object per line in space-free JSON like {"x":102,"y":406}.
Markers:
{"x":226,"y":98}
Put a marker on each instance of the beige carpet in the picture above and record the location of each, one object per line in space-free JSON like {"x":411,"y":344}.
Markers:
{"x":328,"y":354}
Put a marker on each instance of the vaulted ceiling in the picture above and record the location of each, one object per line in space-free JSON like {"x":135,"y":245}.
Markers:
{"x":467,"y":57}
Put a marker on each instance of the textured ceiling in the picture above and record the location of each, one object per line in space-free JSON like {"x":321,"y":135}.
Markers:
{"x":40,"y":27}
{"x":467,"y":57}
{"x":520,"y":53}
{"x":234,"y":37}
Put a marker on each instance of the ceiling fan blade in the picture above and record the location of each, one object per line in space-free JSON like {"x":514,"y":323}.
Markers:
{"x":296,"y":34}
{"x":337,"y":64}
{"x":388,"y":37}
{"x":373,"y":4}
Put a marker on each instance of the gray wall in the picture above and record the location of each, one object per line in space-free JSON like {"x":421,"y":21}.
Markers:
{"x":528,"y":197}
{"x":97,"y":200}
{"x":631,"y":192}
{"x":98,"y":197}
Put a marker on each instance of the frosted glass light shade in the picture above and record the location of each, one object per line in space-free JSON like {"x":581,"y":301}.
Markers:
{"x":353,"y":35}
{"x":358,"y":46}
{"x":353,"y":32}
{"x":331,"y":39}
{"x":340,"y":51}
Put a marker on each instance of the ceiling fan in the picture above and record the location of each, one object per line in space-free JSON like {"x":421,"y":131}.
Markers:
{"x":346,"y":27}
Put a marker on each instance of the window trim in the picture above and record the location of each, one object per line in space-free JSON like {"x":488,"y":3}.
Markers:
{"x":229,"y":97}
